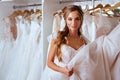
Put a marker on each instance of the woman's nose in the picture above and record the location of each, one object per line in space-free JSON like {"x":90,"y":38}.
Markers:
{"x":73,"y":22}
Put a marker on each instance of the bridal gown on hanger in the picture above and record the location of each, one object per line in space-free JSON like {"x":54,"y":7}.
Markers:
{"x":34,"y":51}
{"x":16,"y":53}
{"x":8,"y":56}
{"x":6,"y":44}
{"x":105,"y":24}
{"x":97,"y":25}
{"x":23,"y":61}
{"x":89,"y":27}
{"x":56,"y":23}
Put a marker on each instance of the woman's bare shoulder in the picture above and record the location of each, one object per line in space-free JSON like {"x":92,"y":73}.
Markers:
{"x":54,"y":42}
{"x":84,"y":40}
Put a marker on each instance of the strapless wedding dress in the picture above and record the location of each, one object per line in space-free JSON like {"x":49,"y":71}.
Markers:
{"x":67,"y":54}
{"x":98,"y":60}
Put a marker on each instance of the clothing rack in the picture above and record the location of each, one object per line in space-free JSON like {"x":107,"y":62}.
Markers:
{"x":22,"y":6}
{"x":69,"y":1}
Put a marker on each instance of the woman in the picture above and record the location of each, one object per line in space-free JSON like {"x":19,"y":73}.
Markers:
{"x":69,"y":59}
{"x":65,"y":46}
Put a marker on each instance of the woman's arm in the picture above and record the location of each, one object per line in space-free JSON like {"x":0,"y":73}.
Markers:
{"x":50,"y":62}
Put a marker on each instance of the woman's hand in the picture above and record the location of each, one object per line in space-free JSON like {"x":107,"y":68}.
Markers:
{"x":67,"y":72}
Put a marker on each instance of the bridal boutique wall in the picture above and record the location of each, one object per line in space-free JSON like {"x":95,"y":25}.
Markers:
{"x":5,"y":9}
{"x":27,"y":1}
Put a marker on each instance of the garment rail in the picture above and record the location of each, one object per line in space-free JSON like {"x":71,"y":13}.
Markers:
{"x":68,"y":1}
{"x":22,"y":6}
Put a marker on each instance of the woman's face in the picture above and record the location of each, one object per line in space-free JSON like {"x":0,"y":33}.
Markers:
{"x":73,"y":21}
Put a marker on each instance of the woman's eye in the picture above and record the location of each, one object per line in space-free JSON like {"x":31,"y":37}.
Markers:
{"x":77,"y":18}
{"x":70,"y":19}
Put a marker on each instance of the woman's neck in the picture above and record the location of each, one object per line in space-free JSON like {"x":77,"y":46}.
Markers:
{"x":73,"y":34}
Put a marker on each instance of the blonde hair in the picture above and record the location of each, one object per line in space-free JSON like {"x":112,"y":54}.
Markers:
{"x":63,"y":34}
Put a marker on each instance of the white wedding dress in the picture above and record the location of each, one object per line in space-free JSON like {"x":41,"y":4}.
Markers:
{"x":50,"y":74}
{"x":91,"y":62}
